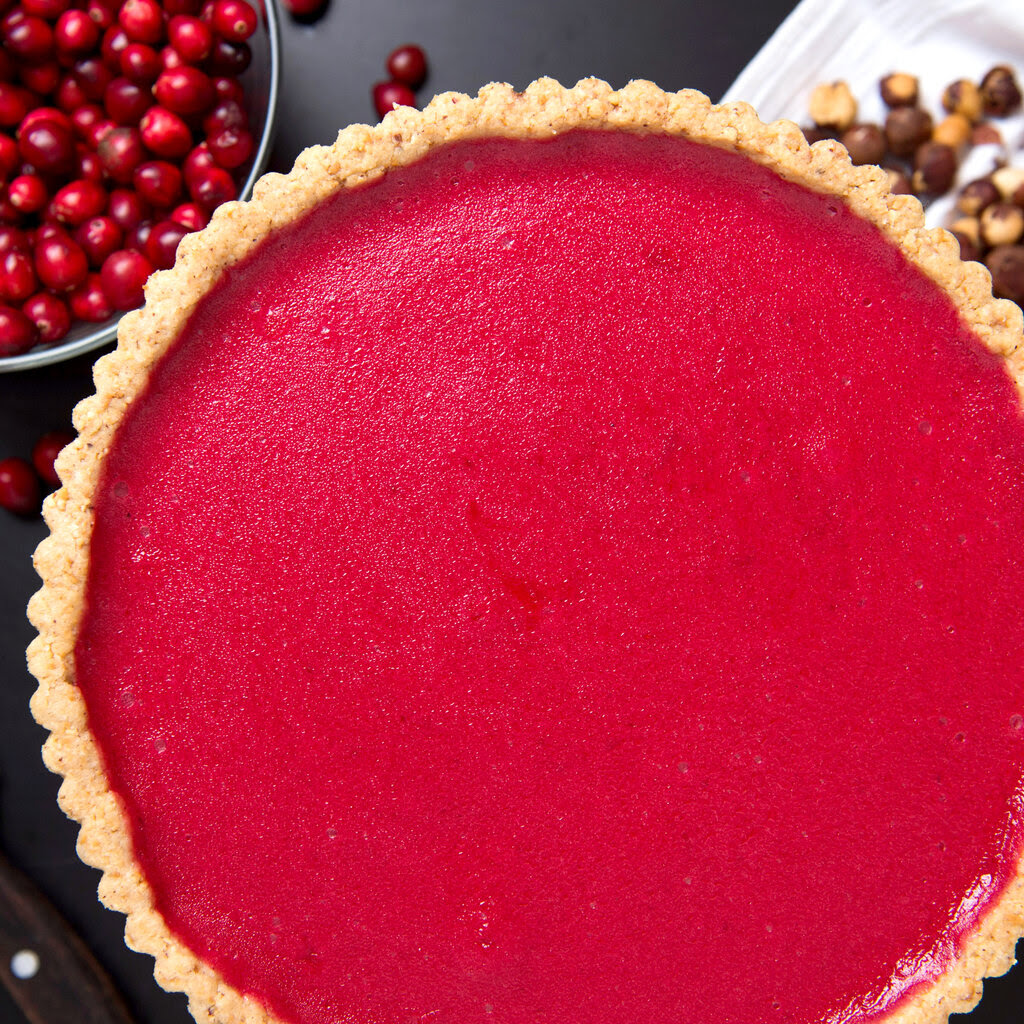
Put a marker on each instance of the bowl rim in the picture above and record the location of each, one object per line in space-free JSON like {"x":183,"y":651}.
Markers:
{"x":104,"y":335}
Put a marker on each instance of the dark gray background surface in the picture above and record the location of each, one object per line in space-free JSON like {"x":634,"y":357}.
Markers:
{"x":328,"y":71}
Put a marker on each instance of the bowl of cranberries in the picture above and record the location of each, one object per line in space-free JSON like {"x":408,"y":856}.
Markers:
{"x":123,"y":125}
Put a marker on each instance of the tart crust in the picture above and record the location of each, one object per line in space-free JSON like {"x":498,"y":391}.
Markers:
{"x":362,"y":153}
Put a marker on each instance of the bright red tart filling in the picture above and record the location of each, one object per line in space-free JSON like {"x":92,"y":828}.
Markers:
{"x":568,"y":581}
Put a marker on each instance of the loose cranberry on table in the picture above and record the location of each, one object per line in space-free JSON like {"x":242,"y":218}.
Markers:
{"x":388,"y":95}
{"x":408,"y":65}
{"x":19,"y":487}
{"x":45,"y":452}
{"x":306,"y":10}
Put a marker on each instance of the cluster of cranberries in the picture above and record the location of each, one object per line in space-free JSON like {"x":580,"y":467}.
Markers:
{"x":21,"y":480}
{"x":122,"y":127}
{"x":407,"y":67}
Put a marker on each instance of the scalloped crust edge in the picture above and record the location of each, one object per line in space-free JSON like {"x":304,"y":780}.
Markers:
{"x":360,"y":154}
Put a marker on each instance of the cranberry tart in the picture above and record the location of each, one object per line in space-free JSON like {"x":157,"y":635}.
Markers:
{"x":553,"y":557}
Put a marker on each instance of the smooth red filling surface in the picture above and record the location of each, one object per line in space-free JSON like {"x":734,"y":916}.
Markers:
{"x":568,"y":581}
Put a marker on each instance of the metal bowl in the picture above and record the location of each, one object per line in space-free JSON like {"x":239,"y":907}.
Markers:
{"x":261,"y":81}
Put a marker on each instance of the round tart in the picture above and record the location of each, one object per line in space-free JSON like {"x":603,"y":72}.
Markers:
{"x":552,"y":557}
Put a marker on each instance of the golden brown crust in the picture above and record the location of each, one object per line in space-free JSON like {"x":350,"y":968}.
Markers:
{"x":362,"y":153}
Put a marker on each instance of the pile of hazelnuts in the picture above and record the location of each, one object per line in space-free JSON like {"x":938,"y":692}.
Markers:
{"x":922,"y":154}
{"x":123,"y":125}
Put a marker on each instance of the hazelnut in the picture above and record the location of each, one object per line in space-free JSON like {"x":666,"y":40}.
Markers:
{"x":969,"y":252}
{"x":1006,"y":264}
{"x":865,"y":142}
{"x":934,"y":168}
{"x":1000,"y":93}
{"x":964,"y":98}
{"x":953,"y":131}
{"x":833,"y":106}
{"x":1008,"y":180}
{"x":1002,"y":224}
{"x":986,"y":134}
{"x":898,"y":90}
{"x":815,"y":134}
{"x":906,"y":128}
{"x":976,"y":196}
{"x":1018,"y":197}
{"x":969,"y":227}
{"x":899,"y":183}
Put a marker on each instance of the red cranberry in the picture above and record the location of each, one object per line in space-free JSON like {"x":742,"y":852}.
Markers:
{"x":53,"y":320}
{"x":9,"y":156}
{"x":40,"y":114}
{"x":170,"y":59}
{"x":70,"y":95}
{"x":50,"y":10}
{"x":96,"y":135}
{"x":176,"y":7}
{"x":48,"y":230}
{"x":19,"y":486}
{"x":98,"y":238}
{"x":228,"y":88}
{"x":41,"y":78}
{"x":115,"y":40}
{"x":17,"y":276}
{"x":78,"y":201}
{"x":76,"y":33}
{"x":9,"y":213}
{"x":227,"y":114}
{"x":7,"y":70}
{"x":306,"y":10}
{"x":164,"y":133}
{"x":85,"y":118}
{"x":233,"y":20}
{"x":27,"y":193}
{"x":29,"y":39}
{"x":17,"y":333}
{"x":137,"y":238}
{"x":408,"y":65}
{"x":158,"y":182}
{"x":387,"y":95}
{"x":120,"y":153}
{"x":14,"y":104}
{"x":231,"y":147}
{"x":143,"y":20}
{"x":140,"y":63}
{"x":190,"y":37}
{"x":197,"y":162}
{"x":190,"y":216}
{"x":88,"y":166}
{"x":61,"y":263}
{"x":12,"y":239}
{"x":228,"y":58}
{"x":89,"y":301}
{"x":184,"y":90}
{"x":126,"y":102}
{"x":48,"y":146}
{"x":212,"y":187}
{"x":123,"y":275}
{"x":127,"y":208}
{"x":49,"y":446}
{"x":162,"y":243}
{"x":100,"y":14}
{"x":93,"y":76}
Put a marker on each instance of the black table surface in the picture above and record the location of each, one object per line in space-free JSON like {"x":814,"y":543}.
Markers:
{"x":329,"y":67}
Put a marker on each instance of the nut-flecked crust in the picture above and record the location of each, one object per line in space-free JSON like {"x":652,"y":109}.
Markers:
{"x":362,"y":153}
